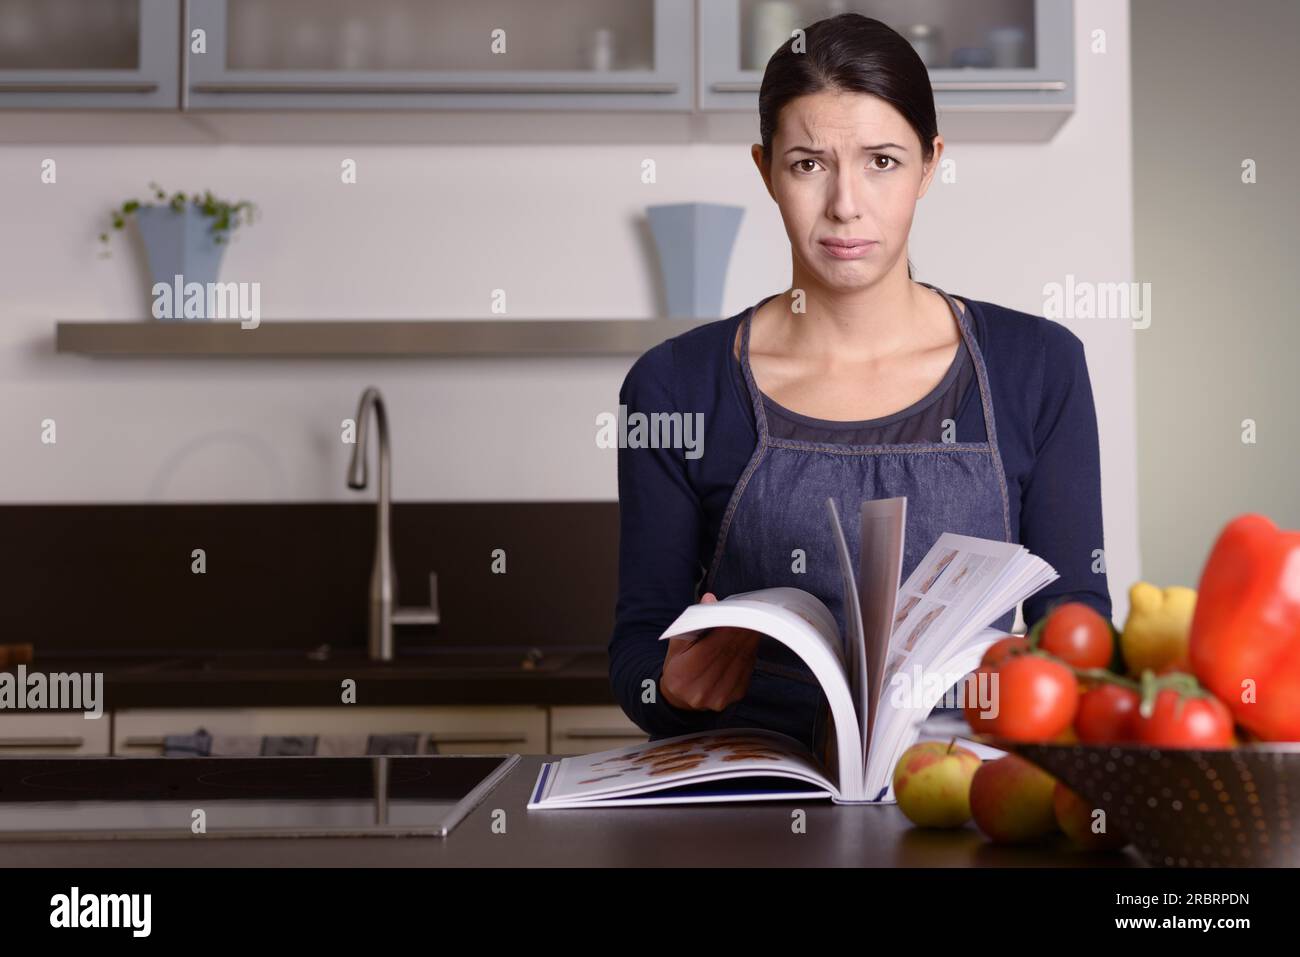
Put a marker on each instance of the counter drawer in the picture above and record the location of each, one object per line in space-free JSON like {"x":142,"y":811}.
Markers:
{"x":582,"y":730}
{"x":462,"y":730}
{"x":30,"y":735}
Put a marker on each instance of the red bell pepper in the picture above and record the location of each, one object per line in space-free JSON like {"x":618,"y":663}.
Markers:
{"x":1245,"y":637}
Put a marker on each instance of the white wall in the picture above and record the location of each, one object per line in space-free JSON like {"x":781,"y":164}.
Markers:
{"x":1214,"y":85}
{"x":429,"y":232}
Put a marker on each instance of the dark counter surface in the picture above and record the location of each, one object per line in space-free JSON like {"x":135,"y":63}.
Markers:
{"x":702,"y":835}
{"x":577,"y":676}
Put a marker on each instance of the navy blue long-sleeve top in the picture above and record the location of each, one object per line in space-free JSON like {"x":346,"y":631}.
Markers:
{"x":671,"y":500}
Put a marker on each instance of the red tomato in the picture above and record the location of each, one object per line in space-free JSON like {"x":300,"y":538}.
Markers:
{"x":1005,"y":648}
{"x":1078,"y":636}
{"x":1185,"y":721}
{"x":1036,"y":698}
{"x":1106,"y":714}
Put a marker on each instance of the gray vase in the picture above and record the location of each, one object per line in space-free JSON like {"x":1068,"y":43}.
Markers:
{"x":179,"y":243}
{"x":694,"y":242}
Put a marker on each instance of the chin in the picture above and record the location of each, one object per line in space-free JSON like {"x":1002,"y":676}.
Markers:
{"x":851,"y":278}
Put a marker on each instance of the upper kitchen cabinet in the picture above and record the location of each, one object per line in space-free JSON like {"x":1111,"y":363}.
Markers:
{"x":90,"y":54}
{"x":441,"y":54}
{"x":1000,"y":69}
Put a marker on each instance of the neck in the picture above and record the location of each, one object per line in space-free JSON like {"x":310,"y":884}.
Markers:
{"x":853,"y":325}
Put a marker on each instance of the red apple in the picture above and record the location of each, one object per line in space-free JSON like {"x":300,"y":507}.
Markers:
{"x":1011,"y":800}
{"x":1081,"y":822}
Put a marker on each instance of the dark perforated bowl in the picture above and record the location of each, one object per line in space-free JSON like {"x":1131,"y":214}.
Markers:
{"x":1232,"y":807}
{"x":1237,"y":807}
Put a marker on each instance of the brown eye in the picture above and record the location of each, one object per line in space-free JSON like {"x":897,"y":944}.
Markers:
{"x":888,"y":159}
{"x":798,"y":164}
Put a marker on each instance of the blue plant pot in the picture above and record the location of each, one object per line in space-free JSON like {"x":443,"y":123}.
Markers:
{"x":179,"y":243}
{"x":694,"y":242}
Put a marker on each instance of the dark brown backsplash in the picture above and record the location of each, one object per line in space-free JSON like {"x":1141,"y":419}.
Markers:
{"x":117,"y":578}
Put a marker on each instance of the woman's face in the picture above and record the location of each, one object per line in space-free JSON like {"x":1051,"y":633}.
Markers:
{"x":846,"y":166}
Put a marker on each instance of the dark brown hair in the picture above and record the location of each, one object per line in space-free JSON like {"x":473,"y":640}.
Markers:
{"x":855,"y":54}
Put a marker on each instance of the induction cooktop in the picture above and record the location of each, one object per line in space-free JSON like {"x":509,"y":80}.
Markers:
{"x":195,"y":797}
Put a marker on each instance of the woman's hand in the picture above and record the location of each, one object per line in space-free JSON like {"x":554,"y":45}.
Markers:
{"x":710,"y":672}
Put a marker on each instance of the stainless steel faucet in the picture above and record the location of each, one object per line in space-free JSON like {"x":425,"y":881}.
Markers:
{"x":384,"y":614}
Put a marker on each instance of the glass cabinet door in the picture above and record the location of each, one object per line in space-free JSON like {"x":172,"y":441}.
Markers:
{"x":90,"y":54}
{"x":981,"y":55}
{"x":442,"y":54}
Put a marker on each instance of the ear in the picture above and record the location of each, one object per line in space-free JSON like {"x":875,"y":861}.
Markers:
{"x":756,"y":151}
{"x":932,"y":166}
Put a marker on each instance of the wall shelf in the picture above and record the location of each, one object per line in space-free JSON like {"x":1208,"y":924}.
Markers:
{"x":370,"y":338}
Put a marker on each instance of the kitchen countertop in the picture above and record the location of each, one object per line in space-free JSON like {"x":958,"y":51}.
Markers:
{"x":756,"y":834}
{"x":578,"y":676}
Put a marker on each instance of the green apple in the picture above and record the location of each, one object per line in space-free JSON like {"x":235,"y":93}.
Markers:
{"x":932,"y":783}
{"x":1011,"y":800}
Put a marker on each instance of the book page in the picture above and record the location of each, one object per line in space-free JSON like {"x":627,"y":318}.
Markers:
{"x":940,"y":631}
{"x":908,"y":704}
{"x":620,"y":774}
{"x":884,"y":528}
{"x":855,"y":664}
{"x":954,"y":591}
{"x":799,"y":615}
{"x":804,"y":624}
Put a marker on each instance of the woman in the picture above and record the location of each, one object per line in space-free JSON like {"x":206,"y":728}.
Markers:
{"x":856,"y":383}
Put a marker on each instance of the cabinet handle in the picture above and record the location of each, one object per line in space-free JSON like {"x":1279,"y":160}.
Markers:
{"x":509,"y":737}
{"x":61,"y":741}
{"x":996,"y":85}
{"x":599,"y":733}
{"x":432,"y":86}
{"x":939,"y":86}
{"x":77,"y":86}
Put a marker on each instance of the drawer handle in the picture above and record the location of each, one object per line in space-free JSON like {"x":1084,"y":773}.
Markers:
{"x":61,"y":741}
{"x":939,"y":86}
{"x":598,"y":733}
{"x":509,"y":737}
{"x":77,"y":86}
{"x":1008,"y":86}
{"x":386,"y":87}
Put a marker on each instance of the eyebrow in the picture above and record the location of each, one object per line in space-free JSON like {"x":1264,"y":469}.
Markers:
{"x":813,"y":152}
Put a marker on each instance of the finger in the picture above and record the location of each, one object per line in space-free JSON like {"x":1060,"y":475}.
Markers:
{"x":676,"y":646}
{"x":725,"y":677}
{"x":733,"y":683}
{"x":708,"y":598}
{"x":696,"y":676}
{"x":707,"y":656}
{"x":695,"y":665}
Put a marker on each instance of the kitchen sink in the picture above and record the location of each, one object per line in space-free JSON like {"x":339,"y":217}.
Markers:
{"x":100,"y":798}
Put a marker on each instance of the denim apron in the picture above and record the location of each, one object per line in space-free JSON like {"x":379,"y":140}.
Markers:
{"x":779,"y":505}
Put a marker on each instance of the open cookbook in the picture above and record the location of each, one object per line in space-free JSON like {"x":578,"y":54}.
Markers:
{"x":906,"y":647}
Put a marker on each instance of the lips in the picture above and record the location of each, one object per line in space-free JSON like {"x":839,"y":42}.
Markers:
{"x":847,"y":248}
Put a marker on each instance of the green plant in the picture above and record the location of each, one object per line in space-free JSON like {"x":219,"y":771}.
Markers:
{"x":226,"y":216}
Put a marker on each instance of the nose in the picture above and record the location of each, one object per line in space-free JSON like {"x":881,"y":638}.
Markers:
{"x":844,"y":201}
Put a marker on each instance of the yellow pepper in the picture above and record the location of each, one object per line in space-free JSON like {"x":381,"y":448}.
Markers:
{"x":1159,"y":622}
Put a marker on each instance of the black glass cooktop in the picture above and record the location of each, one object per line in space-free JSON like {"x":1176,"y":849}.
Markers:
{"x":96,"y":798}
